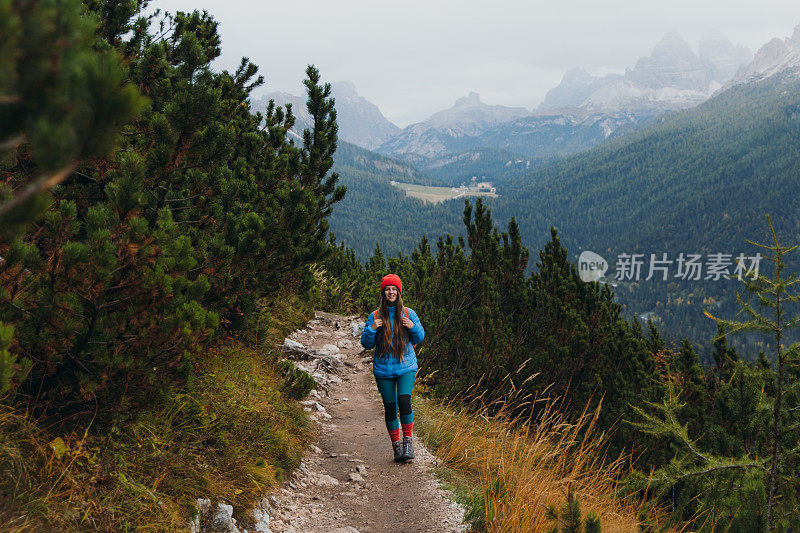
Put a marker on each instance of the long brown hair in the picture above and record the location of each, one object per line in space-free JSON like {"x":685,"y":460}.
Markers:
{"x":400,"y":333}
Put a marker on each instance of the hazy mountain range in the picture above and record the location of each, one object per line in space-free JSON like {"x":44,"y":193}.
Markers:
{"x":360,"y":121}
{"x":695,"y":180}
{"x":671,"y":77}
{"x":581,"y":112}
{"x":776,"y":57}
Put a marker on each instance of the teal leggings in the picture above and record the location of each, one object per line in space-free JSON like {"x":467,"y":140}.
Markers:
{"x":396,"y":392}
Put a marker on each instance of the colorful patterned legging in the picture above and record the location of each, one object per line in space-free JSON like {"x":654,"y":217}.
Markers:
{"x":396,"y":392}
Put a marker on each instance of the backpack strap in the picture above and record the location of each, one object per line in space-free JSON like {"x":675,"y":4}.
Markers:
{"x":375,"y":317}
{"x":412,"y":344}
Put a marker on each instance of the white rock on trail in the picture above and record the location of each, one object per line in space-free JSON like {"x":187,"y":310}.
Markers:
{"x":223,"y":519}
{"x":329,"y":349}
{"x":203,"y":505}
{"x":262,"y":521}
{"x":355,"y":477}
{"x":356,"y":328}
{"x":324,"y":479}
{"x":289,"y":343}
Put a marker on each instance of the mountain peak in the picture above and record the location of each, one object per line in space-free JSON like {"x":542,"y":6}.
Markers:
{"x":715,"y":36}
{"x":345,"y":88}
{"x":673,"y":64}
{"x":577,"y":75}
{"x":775,"y":57}
{"x":360,"y":121}
{"x":671,"y":43}
{"x":721,"y":57}
{"x":796,"y":35}
{"x":472,"y":99}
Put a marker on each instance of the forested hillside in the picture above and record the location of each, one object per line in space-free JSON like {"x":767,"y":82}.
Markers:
{"x":695,"y":181}
{"x":374,"y":211}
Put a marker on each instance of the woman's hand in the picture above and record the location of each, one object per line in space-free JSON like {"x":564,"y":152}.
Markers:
{"x":407,"y":322}
{"x":377,"y":323}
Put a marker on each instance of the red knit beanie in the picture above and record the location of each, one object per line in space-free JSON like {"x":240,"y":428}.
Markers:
{"x":392,"y":279}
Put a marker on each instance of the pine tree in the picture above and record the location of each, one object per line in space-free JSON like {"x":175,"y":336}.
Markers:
{"x":144,"y":255}
{"x":584,"y":347}
{"x":757,"y":453}
{"x":63,"y":98}
{"x":779,"y":294}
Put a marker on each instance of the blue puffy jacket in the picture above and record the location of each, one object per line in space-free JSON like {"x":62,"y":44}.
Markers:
{"x":389,"y":367}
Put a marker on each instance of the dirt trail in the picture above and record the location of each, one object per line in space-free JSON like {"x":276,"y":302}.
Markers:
{"x":348,"y":482}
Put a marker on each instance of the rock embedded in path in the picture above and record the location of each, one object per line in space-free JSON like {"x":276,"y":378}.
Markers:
{"x":203,"y":506}
{"x":290,"y":343}
{"x":329,"y":349}
{"x":356,"y":328}
{"x":223,"y":519}
{"x":261,"y":519}
{"x":355,"y":477}
{"x":323,"y":479}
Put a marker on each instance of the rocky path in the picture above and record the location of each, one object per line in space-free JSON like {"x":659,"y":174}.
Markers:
{"x":348,"y":482}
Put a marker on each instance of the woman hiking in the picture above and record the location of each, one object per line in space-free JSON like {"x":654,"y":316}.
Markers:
{"x":393,"y":330}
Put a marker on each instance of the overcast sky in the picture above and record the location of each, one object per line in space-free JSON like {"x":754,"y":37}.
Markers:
{"x":414,"y":58}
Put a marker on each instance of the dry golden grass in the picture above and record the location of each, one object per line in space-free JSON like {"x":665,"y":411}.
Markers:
{"x":513,"y":469}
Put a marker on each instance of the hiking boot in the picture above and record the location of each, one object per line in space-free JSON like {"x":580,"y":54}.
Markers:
{"x":408,"y":448}
{"x":397,"y":446}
